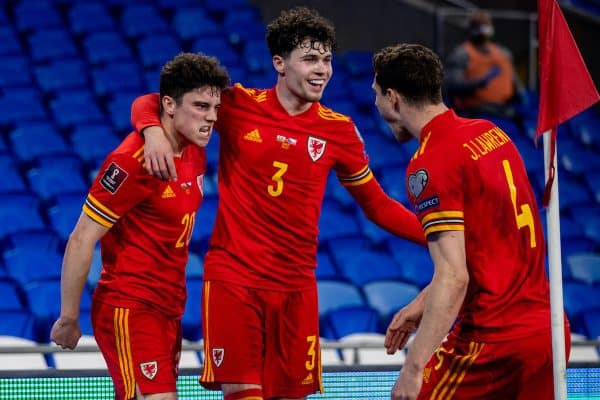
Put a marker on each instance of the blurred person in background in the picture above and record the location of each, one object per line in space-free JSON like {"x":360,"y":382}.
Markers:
{"x":480,"y":76}
{"x":144,"y":226}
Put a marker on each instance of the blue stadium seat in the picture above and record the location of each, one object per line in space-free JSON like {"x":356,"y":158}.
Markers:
{"x":62,"y":74}
{"x":43,"y":45}
{"x":105,"y":47}
{"x":11,"y":300}
{"x":90,"y":17}
{"x":585,"y":267}
{"x":572,"y":192}
{"x":358,"y":63}
{"x":325,"y":268}
{"x":221,"y":7}
{"x":57,"y":174}
{"x":19,"y":211}
{"x":14,"y":70}
{"x":592,"y":179}
{"x":335,"y":222}
{"x":345,"y":321}
{"x":361,"y":92}
{"x":142,"y":19}
{"x":93,"y":142}
{"x":336,"y":193}
{"x":217,"y":47}
{"x":44,"y":240}
{"x":416,"y":265}
{"x":191,"y":22}
{"x":257,"y":56}
{"x":370,"y":230}
{"x":194,"y":267}
{"x":192,"y":316}
{"x":64,"y":213}
{"x":10,"y":179}
{"x":43,"y":298}
{"x":36,"y":14}
{"x":243,"y":24}
{"x":580,"y":161}
{"x":205,"y":220}
{"x":387,"y":297}
{"x":170,"y":5}
{"x":33,"y":139}
{"x":334,"y":295}
{"x":82,"y":109}
{"x":591,"y":321}
{"x":156,"y":50}
{"x":360,"y":264}
{"x":579,"y":297}
{"x":9,"y":41}
{"x":392,"y":181}
{"x":116,"y":77}
{"x":119,"y":107}
{"x":25,"y":265}
{"x":18,"y":324}
{"x":22,"y":106}
{"x":95,"y":269}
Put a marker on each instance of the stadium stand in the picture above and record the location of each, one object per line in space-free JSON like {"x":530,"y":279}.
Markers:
{"x":69,"y":72}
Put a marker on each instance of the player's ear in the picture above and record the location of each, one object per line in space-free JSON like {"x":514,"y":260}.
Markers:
{"x":168,"y":105}
{"x":279,"y":64}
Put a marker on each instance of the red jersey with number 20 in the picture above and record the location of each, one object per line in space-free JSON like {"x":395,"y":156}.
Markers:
{"x":144,"y":254}
{"x":273,"y":169}
{"x":467,"y":175}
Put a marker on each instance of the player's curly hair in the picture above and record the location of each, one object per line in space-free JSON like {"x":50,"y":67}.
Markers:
{"x":296,"y":25}
{"x":414,"y":71}
{"x":188,"y":71}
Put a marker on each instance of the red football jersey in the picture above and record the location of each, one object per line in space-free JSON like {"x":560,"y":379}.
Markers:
{"x":273,"y":169}
{"x":144,"y":254}
{"x":468,"y":175}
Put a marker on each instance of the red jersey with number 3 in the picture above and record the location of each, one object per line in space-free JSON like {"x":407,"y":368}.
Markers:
{"x":467,"y":175}
{"x":273,"y":169}
{"x":144,"y":254}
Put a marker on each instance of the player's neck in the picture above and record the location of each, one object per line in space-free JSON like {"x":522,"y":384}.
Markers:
{"x":423,"y":116}
{"x":291,"y":103}
{"x":175,"y":140}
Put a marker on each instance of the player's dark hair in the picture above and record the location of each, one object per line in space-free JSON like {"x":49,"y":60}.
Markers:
{"x":414,"y":71}
{"x":189,"y":71}
{"x":297,"y":25}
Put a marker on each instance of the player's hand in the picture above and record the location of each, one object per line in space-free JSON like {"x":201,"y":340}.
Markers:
{"x":158,"y":154}
{"x":403,"y":325}
{"x":408,"y":385}
{"x":66,"y":332}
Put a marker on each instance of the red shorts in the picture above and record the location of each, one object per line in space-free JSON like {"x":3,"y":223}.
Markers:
{"x":517,"y":369}
{"x":140,"y":345}
{"x":264,"y":337}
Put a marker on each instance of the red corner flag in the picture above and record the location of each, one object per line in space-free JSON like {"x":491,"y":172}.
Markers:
{"x":566,"y":88}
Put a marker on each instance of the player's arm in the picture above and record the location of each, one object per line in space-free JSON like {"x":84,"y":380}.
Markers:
{"x":75,"y":268}
{"x":386,"y":212}
{"x":158,"y":153}
{"x":445,"y":296}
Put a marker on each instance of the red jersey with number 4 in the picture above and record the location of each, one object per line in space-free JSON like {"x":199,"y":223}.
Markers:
{"x":467,"y":175}
{"x":273,"y":169}
{"x":144,"y":254}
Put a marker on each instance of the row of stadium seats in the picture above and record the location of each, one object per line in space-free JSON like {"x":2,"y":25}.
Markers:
{"x":66,"y":106}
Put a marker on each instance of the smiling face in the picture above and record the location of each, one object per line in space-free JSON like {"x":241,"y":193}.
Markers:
{"x":195,"y":115}
{"x":305,"y":72}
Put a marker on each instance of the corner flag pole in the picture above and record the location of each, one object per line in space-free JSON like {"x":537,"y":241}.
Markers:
{"x":555,"y":269}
